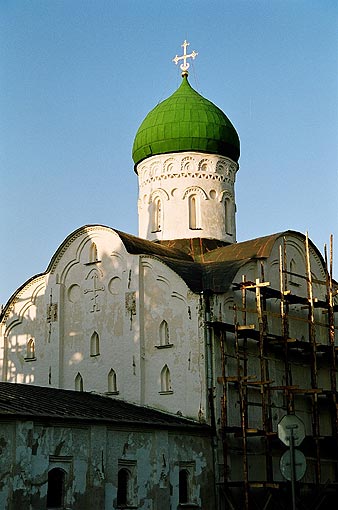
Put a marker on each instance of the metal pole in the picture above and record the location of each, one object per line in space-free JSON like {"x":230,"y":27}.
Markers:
{"x":293,"y":468}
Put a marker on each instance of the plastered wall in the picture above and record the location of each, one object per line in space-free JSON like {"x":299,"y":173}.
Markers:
{"x":91,"y":456}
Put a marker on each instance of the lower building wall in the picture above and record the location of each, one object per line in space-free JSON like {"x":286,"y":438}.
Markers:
{"x":94,"y":459}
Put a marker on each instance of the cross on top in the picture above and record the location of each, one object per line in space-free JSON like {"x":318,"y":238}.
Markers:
{"x":185,"y":66}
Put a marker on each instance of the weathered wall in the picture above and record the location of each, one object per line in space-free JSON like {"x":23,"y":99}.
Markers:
{"x":91,"y":457}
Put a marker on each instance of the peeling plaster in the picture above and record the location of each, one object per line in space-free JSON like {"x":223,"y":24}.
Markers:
{"x":90,"y":456}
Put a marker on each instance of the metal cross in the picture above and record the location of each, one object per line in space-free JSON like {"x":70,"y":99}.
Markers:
{"x":185,"y":66}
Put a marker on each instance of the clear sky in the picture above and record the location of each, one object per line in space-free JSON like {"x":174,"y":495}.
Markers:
{"x":77,"y":77}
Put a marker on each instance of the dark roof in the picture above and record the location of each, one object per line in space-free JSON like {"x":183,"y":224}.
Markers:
{"x":221,"y":265}
{"x":136,"y":246}
{"x":205,"y":265}
{"x":29,"y":401}
{"x":253,"y":249}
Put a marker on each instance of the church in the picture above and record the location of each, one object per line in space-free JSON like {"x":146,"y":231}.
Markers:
{"x":154,"y":372}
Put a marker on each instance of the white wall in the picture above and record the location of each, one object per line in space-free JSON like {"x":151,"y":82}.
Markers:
{"x":173,"y":178}
{"x":123,"y":299}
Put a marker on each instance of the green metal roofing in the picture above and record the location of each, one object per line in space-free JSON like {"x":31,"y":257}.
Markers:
{"x":186,"y":121}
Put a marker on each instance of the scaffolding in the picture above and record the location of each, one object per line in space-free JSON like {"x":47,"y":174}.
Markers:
{"x":262,"y":493}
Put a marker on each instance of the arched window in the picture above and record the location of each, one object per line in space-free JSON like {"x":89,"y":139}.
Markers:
{"x":78,"y":382}
{"x":112,"y":383}
{"x":95,"y":344}
{"x":157,"y":215}
{"x":93,"y":253}
{"x":165,"y":379}
{"x":123,"y":487}
{"x":30,"y":349}
{"x":293,"y":270}
{"x":183,"y":486}
{"x":56,"y":488}
{"x":164,"y":333}
{"x":194,"y":222}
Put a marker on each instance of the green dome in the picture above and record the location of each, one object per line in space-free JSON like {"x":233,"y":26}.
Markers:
{"x":186,"y":121}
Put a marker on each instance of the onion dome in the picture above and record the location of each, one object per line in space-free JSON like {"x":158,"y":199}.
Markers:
{"x":186,"y":121}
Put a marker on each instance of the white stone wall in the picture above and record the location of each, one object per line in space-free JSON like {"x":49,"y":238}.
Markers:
{"x":167,"y":298}
{"x":174,"y":179}
{"x":90,"y":319}
{"x":94,"y":303}
{"x":26,"y":320}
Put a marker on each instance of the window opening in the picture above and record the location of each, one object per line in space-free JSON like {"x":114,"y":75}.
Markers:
{"x":165,"y":379}
{"x":112,"y":384}
{"x":164,"y":333}
{"x":194,"y":212}
{"x":183,"y":486}
{"x":93,"y":253}
{"x":56,"y":488}
{"x":95,"y":344}
{"x":79,"y":382}
{"x":30,"y":350}
{"x":293,"y":271}
{"x":227,"y":216}
{"x":157,"y":215}
{"x":123,"y":487}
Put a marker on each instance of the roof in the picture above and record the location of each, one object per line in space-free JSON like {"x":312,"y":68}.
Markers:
{"x":203,"y":264}
{"x":135,"y":245}
{"x":186,"y":121}
{"x":197,"y":263}
{"x":38,"y":402}
{"x":252,"y":249}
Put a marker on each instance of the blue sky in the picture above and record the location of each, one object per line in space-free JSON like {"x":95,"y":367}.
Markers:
{"x":77,"y":77}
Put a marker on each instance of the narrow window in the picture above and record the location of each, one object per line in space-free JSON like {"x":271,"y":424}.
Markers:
{"x":112,"y":384}
{"x":93,"y":253}
{"x":30,"y":350}
{"x":164,"y":333}
{"x":183,"y":486}
{"x":293,"y":271}
{"x":165,"y":379}
{"x":95,"y":344}
{"x":56,"y":488}
{"x":194,"y":213}
{"x":157,"y":215}
{"x":227,"y":207}
{"x":79,"y":382}
{"x":123,"y":487}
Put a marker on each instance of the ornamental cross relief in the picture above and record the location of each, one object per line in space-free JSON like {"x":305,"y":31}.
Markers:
{"x":185,"y":66}
{"x":95,"y":289}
